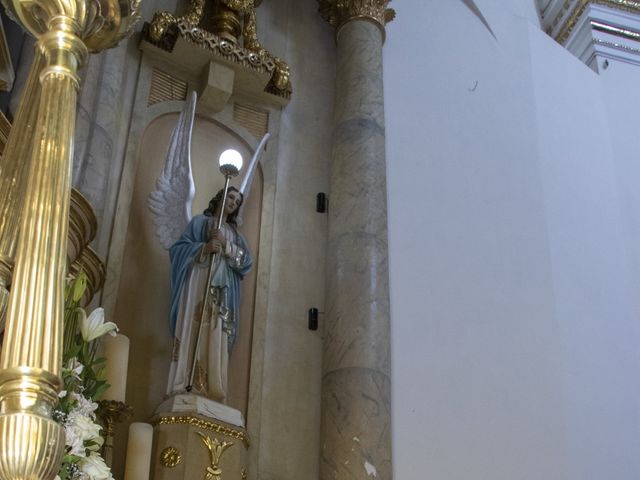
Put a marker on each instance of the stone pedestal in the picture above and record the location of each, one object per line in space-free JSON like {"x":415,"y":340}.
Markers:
{"x":197,"y":438}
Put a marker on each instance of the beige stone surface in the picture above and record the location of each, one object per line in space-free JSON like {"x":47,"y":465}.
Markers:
{"x":356,"y":417}
{"x":217,"y":86}
{"x":286,"y":441}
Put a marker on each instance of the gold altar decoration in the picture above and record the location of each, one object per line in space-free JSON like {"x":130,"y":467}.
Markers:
{"x":567,"y":18}
{"x":42,"y":141}
{"x":217,"y":26}
{"x":205,"y":425}
{"x":216,"y":448}
{"x":14,"y":177}
{"x":110,"y":413}
{"x":189,"y":445}
{"x":89,"y":263}
{"x":170,"y":457}
{"x":340,"y":12}
{"x":83,"y":225}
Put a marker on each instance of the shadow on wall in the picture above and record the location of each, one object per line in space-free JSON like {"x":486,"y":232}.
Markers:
{"x":476,"y":11}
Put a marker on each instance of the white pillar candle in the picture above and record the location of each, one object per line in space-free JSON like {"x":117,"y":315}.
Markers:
{"x":139,"y":452}
{"x":116,"y":351}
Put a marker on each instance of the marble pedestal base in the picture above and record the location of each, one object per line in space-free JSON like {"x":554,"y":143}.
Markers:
{"x":190,"y":445}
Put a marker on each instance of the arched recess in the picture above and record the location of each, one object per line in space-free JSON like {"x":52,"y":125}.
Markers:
{"x":142,"y":301}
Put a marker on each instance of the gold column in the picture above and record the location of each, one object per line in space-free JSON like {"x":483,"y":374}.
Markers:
{"x":31,"y":442}
{"x":13,"y":179}
{"x":29,"y":380}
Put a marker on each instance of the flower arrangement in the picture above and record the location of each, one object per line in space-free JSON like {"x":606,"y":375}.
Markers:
{"x":82,"y":386}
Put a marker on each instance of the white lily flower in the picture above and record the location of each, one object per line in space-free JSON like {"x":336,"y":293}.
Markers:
{"x":80,"y":429}
{"x":94,"y":326}
{"x":94,"y":467}
{"x":73,"y":367}
{"x":84,"y":406}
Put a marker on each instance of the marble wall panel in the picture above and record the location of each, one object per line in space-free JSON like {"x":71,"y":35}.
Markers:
{"x":289,"y":430}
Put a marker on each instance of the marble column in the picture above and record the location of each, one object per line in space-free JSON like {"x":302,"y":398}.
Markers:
{"x":356,"y":422}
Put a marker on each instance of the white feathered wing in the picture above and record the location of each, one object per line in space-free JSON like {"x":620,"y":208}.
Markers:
{"x":247,"y":181}
{"x":170,"y":203}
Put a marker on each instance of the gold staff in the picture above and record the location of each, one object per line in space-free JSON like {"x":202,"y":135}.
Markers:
{"x":230,"y":164}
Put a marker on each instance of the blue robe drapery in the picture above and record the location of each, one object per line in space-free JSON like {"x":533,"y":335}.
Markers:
{"x":228,"y":273}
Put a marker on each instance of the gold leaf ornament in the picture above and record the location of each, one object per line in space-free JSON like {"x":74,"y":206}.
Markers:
{"x":216,"y":448}
{"x":170,"y":457}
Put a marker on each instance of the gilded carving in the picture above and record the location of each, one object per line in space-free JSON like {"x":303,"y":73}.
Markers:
{"x":205,"y":425}
{"x":280,"y":83}
{"x":224,"y":48}
{"x":170,"y":457}
{"x":339,"y":12}
{"x":216,"y":448}
{"x":571,"y":20}
{"x":241,"y":6}
{"x":163,"y":20}
{"x":165,"y":26}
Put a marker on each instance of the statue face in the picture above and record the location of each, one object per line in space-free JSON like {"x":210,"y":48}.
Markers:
{"x":234,"y":199}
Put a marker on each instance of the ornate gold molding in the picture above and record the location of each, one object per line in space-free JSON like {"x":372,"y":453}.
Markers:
{"x":571,"y":20}
{"x":165,"y":28}
{"x":241,"y":6}
{"x":280,"y":83}
{"x":205,"y":425}
{"x":618,"y":32}
{"x":339,"y":12}
{"x":216,"y":448}
{"x":170,"y":457}
{"x":163,"y":20}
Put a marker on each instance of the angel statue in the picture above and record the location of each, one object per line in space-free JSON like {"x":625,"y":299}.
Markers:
{"x":204,"y":320}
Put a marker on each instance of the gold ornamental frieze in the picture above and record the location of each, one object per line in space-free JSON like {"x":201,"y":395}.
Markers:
{"x":204,"y":425}
{"x":339,"y":12}
{"x":220,"y":47}
{"x":233,"y":20}
{"x":567,"y":18}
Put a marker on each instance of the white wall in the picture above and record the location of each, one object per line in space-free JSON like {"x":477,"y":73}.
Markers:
{"x":514,"y":330}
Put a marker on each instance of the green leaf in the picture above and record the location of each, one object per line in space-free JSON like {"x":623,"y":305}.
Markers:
{"x":71,"y":458}
{"x":99,"y":391}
